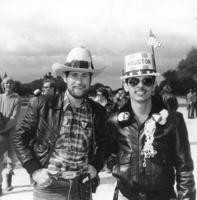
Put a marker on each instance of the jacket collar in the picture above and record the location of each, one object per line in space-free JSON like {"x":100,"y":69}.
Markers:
{"x":128,"y":115}
{"x":58,"y":102}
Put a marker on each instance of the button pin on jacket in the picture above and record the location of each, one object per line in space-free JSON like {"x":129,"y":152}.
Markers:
{"x":84,"y":124}
{"x":123,"y":116}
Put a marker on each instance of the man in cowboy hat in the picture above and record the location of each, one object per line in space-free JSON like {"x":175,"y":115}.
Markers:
{"x":151,"y":144}
{"x":61,"y":143}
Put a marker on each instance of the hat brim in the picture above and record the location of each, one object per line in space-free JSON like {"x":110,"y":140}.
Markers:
{"x":137,"y":75}
{"x":59,"y":69}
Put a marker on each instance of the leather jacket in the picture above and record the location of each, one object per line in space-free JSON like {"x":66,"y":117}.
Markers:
{"x":36,"y":135}
{"x":171,"y":162}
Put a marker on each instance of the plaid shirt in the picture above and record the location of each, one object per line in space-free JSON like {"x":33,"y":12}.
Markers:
{"x":72,"y":146}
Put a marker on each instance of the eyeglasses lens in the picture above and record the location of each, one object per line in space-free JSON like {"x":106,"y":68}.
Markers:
{"x":146,"y":81}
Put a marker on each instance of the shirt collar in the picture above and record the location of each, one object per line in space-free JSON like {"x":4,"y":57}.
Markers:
{"x":84,"y":105}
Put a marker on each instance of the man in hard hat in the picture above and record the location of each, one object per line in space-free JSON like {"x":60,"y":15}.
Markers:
{"x":61,"y":143}
{"x":150,"y":142}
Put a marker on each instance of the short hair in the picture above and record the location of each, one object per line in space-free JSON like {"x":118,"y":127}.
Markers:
{"x":52,"y":83}
{"x":5,"y":80}
{"x":103,"y":91}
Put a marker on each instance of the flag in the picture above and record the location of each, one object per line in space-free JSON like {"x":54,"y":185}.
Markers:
{"x":153,"y":41}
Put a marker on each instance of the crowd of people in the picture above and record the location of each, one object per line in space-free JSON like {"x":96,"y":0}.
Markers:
{"x":66,"y":138}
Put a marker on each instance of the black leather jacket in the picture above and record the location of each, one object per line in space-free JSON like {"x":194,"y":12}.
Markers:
{"x":172,"y":162}
{"x":36,"y":135}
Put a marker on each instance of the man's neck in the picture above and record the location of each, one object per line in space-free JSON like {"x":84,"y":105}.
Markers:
{"x":141,"y":110}
{"x":75,"y":102}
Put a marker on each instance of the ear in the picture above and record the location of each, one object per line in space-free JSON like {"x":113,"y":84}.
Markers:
{"x":125,"y":86}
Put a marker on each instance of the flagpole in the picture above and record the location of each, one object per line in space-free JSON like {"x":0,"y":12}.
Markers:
{"x":153,"y":42}
{"x":153,"y":54}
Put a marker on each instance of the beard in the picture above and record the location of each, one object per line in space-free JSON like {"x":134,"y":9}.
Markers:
{"x":78,"y":95}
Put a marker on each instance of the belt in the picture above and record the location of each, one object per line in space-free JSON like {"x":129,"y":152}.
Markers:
{"x":67,"y":174}
{"x":70,"y":174}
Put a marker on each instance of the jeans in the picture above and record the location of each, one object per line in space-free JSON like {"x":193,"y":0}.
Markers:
{"x":6,"y":146}
{"x":60,"y":190}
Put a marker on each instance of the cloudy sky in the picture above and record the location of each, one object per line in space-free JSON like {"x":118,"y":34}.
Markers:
{"x":35,"y":34}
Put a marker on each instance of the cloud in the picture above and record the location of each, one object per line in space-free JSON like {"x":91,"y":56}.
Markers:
{"x":35,"y":34}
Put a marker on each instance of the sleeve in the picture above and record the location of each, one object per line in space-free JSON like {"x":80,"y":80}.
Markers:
{"x":112,"y":145}
{"x":23,"y":137}
{"x":183,"y":161}
{"x":99,"y":140}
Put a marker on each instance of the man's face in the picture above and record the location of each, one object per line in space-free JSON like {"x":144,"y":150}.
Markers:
{"x":78,"y":83}
{"x":47,"y":89}
{"x":140,"y":88}
{"x":9,"y":86}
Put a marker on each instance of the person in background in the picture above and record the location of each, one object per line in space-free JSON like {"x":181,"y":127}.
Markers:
{"x":151,"y":143}
{"x":169,"y":99}
{"x":49,"y":87}
{"x":109,"y":89}
{"x":195,"y":102}
{"x":10,"y":106}
{"x":102,"y":97}
{"x":119,"y":99}
{"x":37,"y":92}
{"x":190,"y":104}
{"x":61,"y":141}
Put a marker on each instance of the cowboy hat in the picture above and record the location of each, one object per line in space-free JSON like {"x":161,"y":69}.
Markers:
{"x":139,"y":64}
{"x":79,"y":59}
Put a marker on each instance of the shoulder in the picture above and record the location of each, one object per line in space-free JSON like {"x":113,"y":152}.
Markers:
{"x":38,"y":101}
{"x":96,"y":107}
{"x":176,"y":117}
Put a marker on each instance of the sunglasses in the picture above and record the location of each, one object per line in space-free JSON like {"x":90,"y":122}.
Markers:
{"x":148,"y":81}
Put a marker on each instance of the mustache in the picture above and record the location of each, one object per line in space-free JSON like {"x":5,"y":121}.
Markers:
{"x":140,"y":89}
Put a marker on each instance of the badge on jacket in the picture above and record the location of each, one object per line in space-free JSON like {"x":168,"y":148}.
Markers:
{"x":123,"y":116}
{"x":84,"y":124}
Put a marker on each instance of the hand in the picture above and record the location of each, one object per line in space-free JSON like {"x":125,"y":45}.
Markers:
{"x":92,"y":171}
{"x":42,"y":177}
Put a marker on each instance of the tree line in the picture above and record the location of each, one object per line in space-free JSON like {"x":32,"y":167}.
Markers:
{"x":181,"y":79}
{"x":184,"y":76}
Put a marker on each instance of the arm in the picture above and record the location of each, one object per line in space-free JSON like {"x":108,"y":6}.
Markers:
{"x":25,"y":134}
{"x":112,"y":145}
{"x":106,"y":143}
{"x":99,"y":139}
{"x":183,"y":161}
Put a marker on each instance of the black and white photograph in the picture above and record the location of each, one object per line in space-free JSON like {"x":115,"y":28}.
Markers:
{"x":98,"y":99}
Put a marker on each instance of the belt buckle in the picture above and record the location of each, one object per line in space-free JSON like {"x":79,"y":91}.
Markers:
{"x":69,"y":175}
